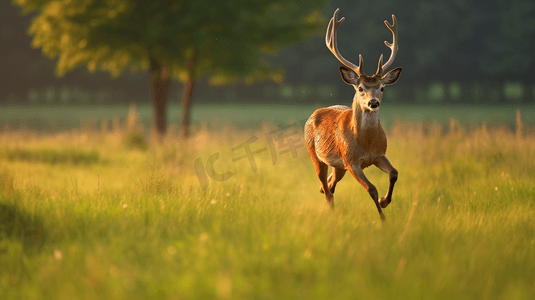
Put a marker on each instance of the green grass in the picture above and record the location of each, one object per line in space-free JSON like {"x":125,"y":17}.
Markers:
{"x":50,"y":156}
{"x":137,"y":224}
{"x":64,"y":117}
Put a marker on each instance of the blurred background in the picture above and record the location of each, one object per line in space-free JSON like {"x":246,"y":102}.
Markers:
{"x":66,"y":62}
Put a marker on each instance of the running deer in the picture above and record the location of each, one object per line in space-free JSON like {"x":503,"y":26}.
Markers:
{"x":351,"y":139}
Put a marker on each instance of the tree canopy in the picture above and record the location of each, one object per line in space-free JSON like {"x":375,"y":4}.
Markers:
{"x":229,"y":38}
{"x":223,"y":40}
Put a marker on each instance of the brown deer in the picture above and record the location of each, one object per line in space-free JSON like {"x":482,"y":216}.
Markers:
{"x":351,"y":139}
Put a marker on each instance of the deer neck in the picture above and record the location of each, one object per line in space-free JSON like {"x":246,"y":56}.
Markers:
{"x":364,"y":120}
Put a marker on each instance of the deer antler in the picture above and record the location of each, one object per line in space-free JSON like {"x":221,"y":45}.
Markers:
{"x":332,"y":44}
{"x":394,"y":46}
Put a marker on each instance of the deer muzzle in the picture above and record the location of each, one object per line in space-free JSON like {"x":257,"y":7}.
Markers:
{"x":373,"y":104}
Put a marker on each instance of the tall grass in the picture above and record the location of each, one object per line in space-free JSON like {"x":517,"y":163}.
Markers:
{"x":138,"y":223}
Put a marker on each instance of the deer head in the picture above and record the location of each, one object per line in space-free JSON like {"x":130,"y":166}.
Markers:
{"x":368,"y":89}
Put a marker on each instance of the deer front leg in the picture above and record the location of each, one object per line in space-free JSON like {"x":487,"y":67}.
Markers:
{"x":385,"y":165}
{"x":357,"y":172}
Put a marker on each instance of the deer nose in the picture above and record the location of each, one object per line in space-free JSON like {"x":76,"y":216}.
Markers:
{"x":373,"y":103}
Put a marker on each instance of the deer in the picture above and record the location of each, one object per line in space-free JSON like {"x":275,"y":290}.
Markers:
{"x":351,"y":138}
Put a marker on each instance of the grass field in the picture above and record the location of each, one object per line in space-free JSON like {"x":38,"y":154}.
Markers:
{"x":63,"y":117}
{"x":86,"y":214}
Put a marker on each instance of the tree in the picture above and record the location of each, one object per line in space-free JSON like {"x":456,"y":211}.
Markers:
{"x":226,"y":41}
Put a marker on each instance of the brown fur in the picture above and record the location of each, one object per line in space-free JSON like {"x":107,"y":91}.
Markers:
{"x":351,"y":139}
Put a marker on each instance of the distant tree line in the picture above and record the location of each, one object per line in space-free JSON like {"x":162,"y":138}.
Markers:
{"x":481,"y":47}
{"x":439,"y":40}
{"x":447,"y":93}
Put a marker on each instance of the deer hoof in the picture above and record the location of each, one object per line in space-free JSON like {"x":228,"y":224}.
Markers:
{"x":383,"y":202}
{"x":321,"y":190}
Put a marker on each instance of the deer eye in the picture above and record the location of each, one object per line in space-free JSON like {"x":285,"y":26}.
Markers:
{"x":360,"y":89}
{"x":382,"y":88}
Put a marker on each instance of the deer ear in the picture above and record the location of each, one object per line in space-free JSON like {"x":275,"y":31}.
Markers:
{"x":392,"y":76}
{"x":349,"y":76}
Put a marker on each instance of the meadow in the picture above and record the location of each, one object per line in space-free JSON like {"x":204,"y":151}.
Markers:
{"x":111,"y":212}
{"x":246,"y":116}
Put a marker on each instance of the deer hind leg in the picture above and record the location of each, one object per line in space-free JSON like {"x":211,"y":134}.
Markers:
{"x":321,"y":167}
{"x":336,"y":175}
{"x":329,"y":183}
{"x":357,"y":172}
{"x":385,"y":165}
{"x":321,"y":170}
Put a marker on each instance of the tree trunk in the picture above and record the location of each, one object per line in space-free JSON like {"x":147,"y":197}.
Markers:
{"x":159,"y":87}
{"x":187,"y":95}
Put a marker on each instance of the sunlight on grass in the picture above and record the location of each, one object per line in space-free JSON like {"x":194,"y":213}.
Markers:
{"x":50,"y":156}
{"x":85,"y":215}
